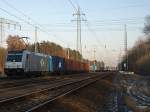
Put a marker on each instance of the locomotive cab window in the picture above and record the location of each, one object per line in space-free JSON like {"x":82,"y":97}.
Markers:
{"x":14,"y":58}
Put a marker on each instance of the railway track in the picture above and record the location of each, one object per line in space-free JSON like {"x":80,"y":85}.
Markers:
{"x":28,"y":84}
{"x":8,"y":83}
{"x":34,"y":101}
{"x":13,"y":83}
{"x":28,"y":88}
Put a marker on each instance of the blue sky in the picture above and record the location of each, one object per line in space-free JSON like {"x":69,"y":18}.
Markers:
{"x":106,"y":18}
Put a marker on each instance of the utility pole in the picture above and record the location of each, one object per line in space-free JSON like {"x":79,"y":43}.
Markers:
{"x":35,"y":48}
{"x":68,"y":53}
{"x":94,"y":54}
{"x":1,"y":30}
{"x":8,"y":22}
{"x":126,"y":46}
{"x":94,"y":60}
{"x":79,"y":20}
{"x":119,"y":59}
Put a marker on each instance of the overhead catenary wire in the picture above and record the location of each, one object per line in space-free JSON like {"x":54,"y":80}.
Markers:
{"x":96,"y":37}
{"x":73,"y":5}
{"x":35,"y":25}
{"x":16,"y":17}
{"x":103,"y":46}
{"x":77,"y":3}
{"x":23,"y":14}
{"x":112,"y":26}
{"x":7,"y":3}
{"x":46,"y":32}
{"x":90,"y":29}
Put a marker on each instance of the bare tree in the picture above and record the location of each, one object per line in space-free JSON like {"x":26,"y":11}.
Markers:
{"x":147,"y":25}
{"x":15,"y":43}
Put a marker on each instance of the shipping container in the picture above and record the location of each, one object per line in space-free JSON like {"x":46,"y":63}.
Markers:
{"x":58,"y":64}
{"x":68,"y":65}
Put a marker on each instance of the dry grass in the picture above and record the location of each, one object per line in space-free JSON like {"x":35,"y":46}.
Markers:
{"x":74,"y":104}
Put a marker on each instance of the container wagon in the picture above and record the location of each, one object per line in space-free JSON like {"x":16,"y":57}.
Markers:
{"x":58,"y":65}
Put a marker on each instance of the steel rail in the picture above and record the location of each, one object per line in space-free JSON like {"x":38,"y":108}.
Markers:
{"x":39,"y":91}
{"x":38,"y":107}
{"x":71,"y":83}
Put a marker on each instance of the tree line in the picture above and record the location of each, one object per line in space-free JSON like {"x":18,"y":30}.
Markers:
{"x":138,"y":58}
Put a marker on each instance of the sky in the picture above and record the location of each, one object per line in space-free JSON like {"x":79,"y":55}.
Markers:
{"x":103,"y":30}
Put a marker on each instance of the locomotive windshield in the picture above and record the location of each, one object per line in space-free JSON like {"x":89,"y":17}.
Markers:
{"x":14,"y":57}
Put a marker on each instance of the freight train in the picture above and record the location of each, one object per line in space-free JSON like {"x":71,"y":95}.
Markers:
{"x":26,"y":63}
